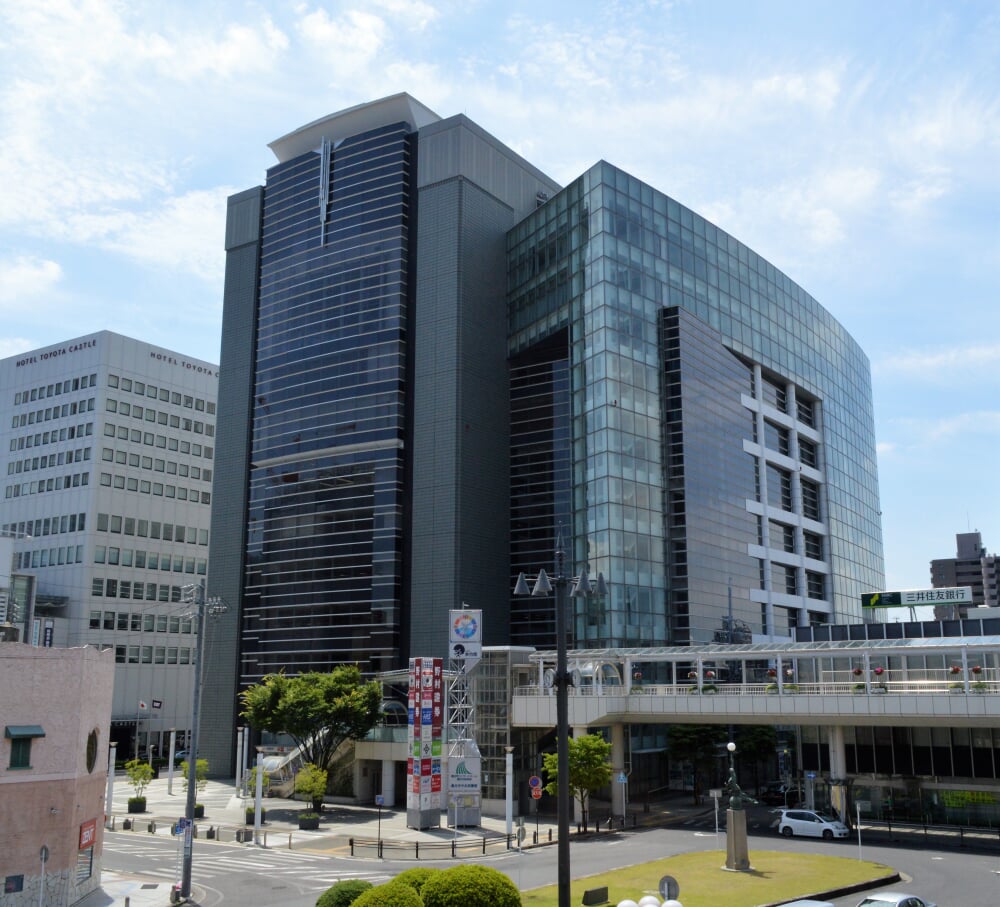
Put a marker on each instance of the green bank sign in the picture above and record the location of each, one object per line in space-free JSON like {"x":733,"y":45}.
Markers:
{"x":910,"y":598}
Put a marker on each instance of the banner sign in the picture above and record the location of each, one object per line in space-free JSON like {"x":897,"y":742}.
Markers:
{"x":465,"y":636}
{"x":955,"y":595}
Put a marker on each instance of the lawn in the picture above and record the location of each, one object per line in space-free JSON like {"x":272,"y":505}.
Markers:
{"x":775,"y":877}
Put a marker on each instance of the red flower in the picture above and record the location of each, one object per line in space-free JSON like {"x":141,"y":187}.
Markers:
{"x":771,"y":672}
{"x":858,"y":672}
{"x":710,"y":674}
{"x":692,"y":675}
{"x":879,"y":670}
{"x":976,"y":669}
{"x":955,"y":669}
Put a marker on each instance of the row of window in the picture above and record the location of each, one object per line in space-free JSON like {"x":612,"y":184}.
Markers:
{"x":58,"y":483}
{"x":142,"y":621}
{"x":25,"y":442}
{"x":778,"y":438}
{"x":49,"y":557}
{"x":783,"y":536}
{"x":154,"y":393}
{"x":53,"y":390}
{"x":68,"y":522}
{"x":153,"y":529}
{"x":157,"y":655}
{"x":784,"y":578}
{"x":149,"y":560}
{"x":111,"y":430}
{"x":47,"y":461}
{"x":170,"y":467}
{"x":157,"y":489}
{"x":149,"y":414}
{"x":53,"y":412}
{"x":122,"y":433}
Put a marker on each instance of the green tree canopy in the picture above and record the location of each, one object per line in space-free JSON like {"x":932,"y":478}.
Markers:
{"x":589,"y":767}
{"x":697,"y":744}
{"x":318,"y":711}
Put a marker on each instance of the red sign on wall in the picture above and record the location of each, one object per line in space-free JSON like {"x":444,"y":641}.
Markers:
{"x":88,"y":834}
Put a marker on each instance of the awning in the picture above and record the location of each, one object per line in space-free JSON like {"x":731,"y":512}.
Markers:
{"x":15,"y":731}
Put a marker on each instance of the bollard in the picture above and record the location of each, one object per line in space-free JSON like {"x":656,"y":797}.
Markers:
{"x":350,"y":841}
{"x":484,"y":845}
{"x":151,"y":828}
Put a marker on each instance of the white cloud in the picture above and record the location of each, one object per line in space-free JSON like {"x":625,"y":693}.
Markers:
{"x":11,"y":346}
{"x":184,"y":234}
{"x":24,"y":278}
{"x":413,"y":13}
{"x":940,"y":364}
{"x":984,"y":423}
{"x":347,"y":41}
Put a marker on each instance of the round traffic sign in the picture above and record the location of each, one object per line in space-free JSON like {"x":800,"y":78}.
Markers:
{"x":536,"y":793}
{"x":534,"y":781}
{"x":43,"y":854}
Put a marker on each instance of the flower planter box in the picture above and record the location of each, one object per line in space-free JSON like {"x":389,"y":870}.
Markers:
{"x":136,"y":804}
{"x":309,"y":823}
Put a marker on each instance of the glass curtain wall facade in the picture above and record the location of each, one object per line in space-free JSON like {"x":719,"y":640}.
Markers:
{"x":325,"y":535}
{"x":721,"y":424}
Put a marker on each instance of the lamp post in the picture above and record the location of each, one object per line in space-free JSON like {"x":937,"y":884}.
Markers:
{"x":195,"y":595}
{"x":544,"y":586}
{"x":509,"y":812}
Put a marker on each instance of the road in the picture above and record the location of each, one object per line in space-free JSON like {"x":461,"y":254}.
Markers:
{"x":238,"y":874}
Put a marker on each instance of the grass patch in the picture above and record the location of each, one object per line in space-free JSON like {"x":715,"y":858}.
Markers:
{"x":703,"y":883}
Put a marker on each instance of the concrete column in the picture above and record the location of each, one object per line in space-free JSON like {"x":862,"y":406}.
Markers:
{"x":838,"y":771}
{"x":389,"y":782}
{"x":618,"y":791}
{"x":577,"y":815}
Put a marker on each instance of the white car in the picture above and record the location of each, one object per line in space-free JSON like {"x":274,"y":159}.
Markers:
{"x":811,"y":824}
{"x":894,"y":899}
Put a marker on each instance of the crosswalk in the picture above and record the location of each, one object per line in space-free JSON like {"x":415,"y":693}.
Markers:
{"x":305,"y":869}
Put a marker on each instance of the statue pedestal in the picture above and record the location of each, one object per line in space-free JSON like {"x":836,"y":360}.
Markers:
{"x":737,"y":854}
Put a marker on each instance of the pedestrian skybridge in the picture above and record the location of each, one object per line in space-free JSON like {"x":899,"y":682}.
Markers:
{"x":943,"y":681}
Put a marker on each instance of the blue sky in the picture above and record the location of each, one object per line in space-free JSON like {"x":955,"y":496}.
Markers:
{"x":856,"y":145}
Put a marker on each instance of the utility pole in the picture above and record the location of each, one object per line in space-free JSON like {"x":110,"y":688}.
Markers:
{"x":195,"y":595}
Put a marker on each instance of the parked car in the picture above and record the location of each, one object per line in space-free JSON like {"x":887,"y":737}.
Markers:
{"x":777,"y":793}
{"x":811,"y":824}
{"x":180,"y":756}
{"x":808,"y":903}
{"x":894,"y":899}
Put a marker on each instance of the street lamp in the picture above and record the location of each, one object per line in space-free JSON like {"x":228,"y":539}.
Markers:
{"x":509,"y":811}
{"x":194,"y":594}
{"x":544,"y":586}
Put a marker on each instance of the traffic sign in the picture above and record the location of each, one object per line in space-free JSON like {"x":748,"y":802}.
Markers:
{"x":534,"y":781}
{"x":536,"y":793}
{"x":622,"y":778}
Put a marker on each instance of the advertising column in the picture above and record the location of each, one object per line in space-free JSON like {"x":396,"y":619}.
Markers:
{"x":425,"y":719}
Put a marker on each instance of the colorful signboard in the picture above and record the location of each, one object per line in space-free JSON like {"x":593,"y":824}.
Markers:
{"x":425,"y":713}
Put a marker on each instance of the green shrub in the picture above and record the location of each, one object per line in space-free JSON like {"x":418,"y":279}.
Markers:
{"x":470,"y":886}
{"x":416,"y":877}
{"x":391,"y":894}
{"x":344,"y":893}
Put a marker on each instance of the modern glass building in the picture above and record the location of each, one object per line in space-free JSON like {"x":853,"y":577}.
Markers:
{"x":700,"y":425}
{"x":438,"y":366}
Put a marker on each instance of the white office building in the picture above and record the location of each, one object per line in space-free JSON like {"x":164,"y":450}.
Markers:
{"x":106,"y":455}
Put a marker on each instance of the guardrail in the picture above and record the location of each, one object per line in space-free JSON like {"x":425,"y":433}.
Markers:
{"x":914,"y":687}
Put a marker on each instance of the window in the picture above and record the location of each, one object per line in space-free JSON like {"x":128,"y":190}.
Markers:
{"x":20,"y":737}
{"x":810,"y":500}
{"x":807,"y":452}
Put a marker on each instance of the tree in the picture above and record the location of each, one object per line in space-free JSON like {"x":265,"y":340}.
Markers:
{"x":318,"y":711}
{"x":589,"y":767}
{"x":200,"y":774}
{"x":697,"y":744}
{"x":139,"y":775}
{"x":757,"y":743}
{"x":311,"y":783}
